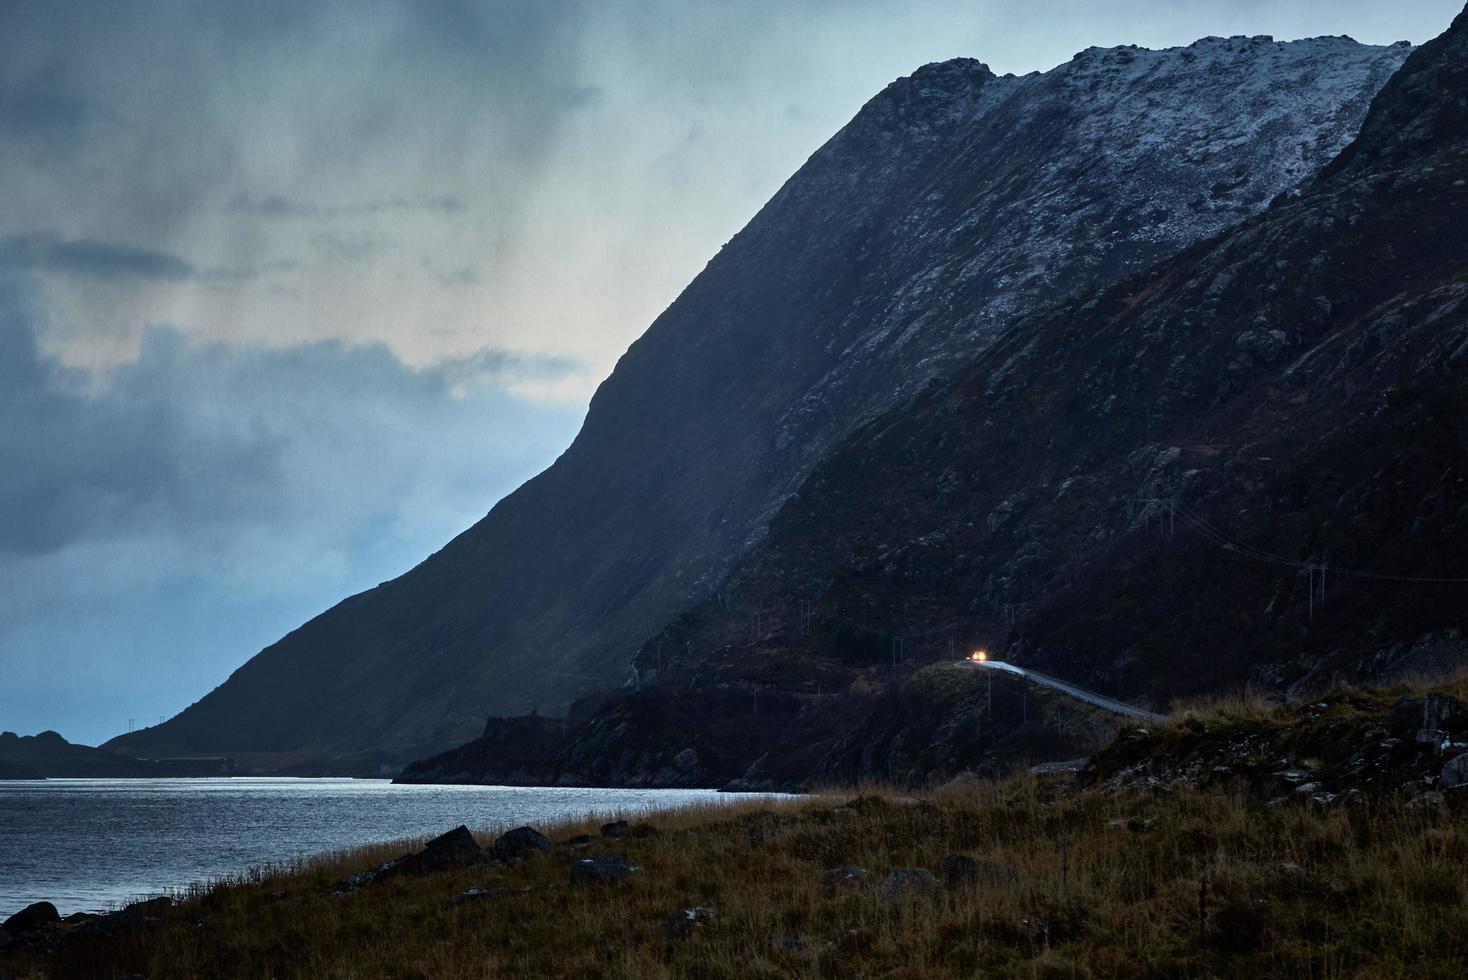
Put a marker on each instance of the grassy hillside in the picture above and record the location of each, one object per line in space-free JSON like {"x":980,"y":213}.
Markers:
{"x":1136,"y":869}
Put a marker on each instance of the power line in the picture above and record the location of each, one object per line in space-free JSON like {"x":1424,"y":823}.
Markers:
{"x":1208,"y":530}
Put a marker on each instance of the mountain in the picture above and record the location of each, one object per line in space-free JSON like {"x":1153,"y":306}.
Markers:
{"x":48,"y":754}
{"x":1246,"y":465}
{"x":953,"y":203}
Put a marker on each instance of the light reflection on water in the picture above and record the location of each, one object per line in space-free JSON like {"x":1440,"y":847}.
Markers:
{"x":91,"y":844}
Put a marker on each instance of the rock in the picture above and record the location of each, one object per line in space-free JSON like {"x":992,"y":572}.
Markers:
{"x":1425,"y":802}
{"x":617,"y":828}
{"x":1433,"y":738}
{"x":358,"y":879}
{"x":1455,"y":772}
{"x":520,"y":843}
{"x":152,"y":908}
{"x":1436,"y":711}
{"x":482,"y":894}
{"x":32,"y":917}
{"x":849,"y":876}
{"x":455,"y":849}
{"x":965,"y":782}
{"x":603,"y":868}
{"x":680,"y":924}
{"x":907,"y":883}
{"x":1052,"y":768}
{"x":961,"y":871}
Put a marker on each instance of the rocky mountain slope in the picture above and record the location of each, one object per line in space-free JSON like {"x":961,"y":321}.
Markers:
{"x":1243,"y":465}
{"x":952,"y":203}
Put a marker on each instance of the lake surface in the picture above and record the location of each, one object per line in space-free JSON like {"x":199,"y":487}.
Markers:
{"x":92,"y":844}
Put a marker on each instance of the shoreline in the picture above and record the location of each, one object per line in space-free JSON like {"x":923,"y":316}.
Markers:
{"x":1248,"y":838}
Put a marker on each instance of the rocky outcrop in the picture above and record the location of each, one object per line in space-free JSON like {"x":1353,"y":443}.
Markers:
{"x":1340,"y":751}
{"x":955,"y":202}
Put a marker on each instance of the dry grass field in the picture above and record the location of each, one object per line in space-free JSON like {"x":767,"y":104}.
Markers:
{"x":1066,"y":881}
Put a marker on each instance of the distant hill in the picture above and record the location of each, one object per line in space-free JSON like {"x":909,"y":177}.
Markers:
{"x":48,"y":754}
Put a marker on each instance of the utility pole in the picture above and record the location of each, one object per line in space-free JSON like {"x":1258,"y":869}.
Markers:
{"x":1166,"y":511}
{"x":1316,"y":571}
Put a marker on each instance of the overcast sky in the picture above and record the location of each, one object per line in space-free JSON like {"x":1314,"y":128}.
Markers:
{"x":292,"y":292}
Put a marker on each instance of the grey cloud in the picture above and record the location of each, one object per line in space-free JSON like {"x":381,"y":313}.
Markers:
{"x":38,"y":106}
{"x":202,"y":435}
{"x":89,"y":257}
{"x":495,"y":364}
{"x":279,"y":206}
{"x":579,"y":96}
{"x":464,"y":275}
{"x":344,"y":247}
{"x":162,"y":522}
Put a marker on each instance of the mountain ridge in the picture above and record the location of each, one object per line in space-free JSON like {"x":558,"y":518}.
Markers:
{"x":1237,"y":467}
{"x":952,"y":202}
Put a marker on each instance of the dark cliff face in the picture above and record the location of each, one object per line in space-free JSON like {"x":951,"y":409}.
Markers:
{"x":1131,"y":491}
{"x":1248,"y":464}
{"x":953,"y":203}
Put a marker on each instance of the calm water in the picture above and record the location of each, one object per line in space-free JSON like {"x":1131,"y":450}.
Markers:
{"x":91,"y":844}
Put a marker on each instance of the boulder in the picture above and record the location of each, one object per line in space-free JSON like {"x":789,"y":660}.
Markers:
{"x":617,"y":828}
{"x":520,"y":843}
{"x":600,"y":869}
{"x":1455,"y":772}
{"x":482,"y":894}
{"x":32,"y":917}
{"x":150,"y":909}
{"x":849,"y":876}
{"x":1441,"y":712}
{"x":680,"y":924}
{"x":1425,"y":802}
{"x":909,"y":883}
{"x":455,"y":849}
